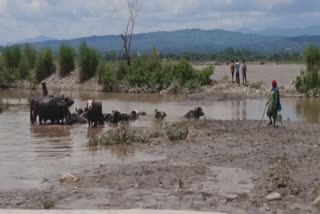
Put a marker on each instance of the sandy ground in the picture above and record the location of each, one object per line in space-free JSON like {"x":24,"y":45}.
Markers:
{"x":226,"y":166}
{"x":283,"y":73}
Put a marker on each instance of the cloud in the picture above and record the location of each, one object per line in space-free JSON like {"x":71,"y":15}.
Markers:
{"x":20,"y":19}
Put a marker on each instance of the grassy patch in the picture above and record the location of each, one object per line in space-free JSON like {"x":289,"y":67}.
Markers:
{"x":119,"y":136}
{"x":47,"y":204}
{"x":177,"y":131}
{"x":3,"y":106}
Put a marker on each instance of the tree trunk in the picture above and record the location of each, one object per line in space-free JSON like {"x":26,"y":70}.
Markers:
{"x":44,"y":88}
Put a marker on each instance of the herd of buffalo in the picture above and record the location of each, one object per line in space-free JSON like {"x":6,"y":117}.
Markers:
{"x":56,"y":110}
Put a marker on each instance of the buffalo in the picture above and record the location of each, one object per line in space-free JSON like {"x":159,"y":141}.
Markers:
{"x":134,"y":115}
{"x":53,"y":108}
{"x":72,"y":119}
{"x":160,"y":114}
{"x":94,"y":113}
{"x":195,"y":113}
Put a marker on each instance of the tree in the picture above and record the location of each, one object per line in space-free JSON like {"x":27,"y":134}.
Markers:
{"x":127,"y":36}
{"x":66,"y":59}
{"x":312,"y":57}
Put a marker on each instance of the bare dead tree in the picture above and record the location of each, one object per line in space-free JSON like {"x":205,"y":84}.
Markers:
{"x":127,"y":36}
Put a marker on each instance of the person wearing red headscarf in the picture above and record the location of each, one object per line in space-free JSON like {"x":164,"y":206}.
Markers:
{"x":274,"y":104}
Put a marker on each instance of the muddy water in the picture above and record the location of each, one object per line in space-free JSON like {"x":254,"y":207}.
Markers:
{"x":29,"y":155}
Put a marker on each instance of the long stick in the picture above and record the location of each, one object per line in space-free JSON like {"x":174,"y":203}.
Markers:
{"x":264,"y":112}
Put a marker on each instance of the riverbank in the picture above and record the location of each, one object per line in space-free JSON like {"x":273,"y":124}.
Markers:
{"x":259,"y":77}
{"x":228,"y":166}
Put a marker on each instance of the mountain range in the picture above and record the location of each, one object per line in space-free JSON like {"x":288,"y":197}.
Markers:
{"x":191,"y":40}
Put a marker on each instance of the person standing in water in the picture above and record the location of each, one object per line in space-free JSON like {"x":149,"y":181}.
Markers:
{"x":232,"y":68}
{"x":237,"y":72}
{"x":274,"y":104}
{"x":244,"y":73}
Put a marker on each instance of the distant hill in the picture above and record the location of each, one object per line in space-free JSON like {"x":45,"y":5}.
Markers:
{"x":195,"y":40}
{"x":285,"y":32}
{"x":40,"y":38}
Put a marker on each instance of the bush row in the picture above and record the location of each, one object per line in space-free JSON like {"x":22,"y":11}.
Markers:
{"x":153,"y":71}
{"x":148,"y":70}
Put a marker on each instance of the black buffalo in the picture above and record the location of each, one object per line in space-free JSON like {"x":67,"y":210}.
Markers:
{"x":53,"y":108}
{"x":134,"y":115}
{"x":159,"y":114}
{"x":195,"y":113}
{"x":79,"y":111}
{"x":94,"y":113}
{"x":72,"y":119}
{"x":117,"y":116}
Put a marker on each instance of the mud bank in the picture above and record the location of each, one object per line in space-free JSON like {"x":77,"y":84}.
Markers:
{"x":226,"y":166}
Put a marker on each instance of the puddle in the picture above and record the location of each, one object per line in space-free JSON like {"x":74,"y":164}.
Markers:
{"x":228,"y":182}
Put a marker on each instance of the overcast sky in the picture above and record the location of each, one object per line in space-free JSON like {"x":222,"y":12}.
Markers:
{"x":62,"y":19}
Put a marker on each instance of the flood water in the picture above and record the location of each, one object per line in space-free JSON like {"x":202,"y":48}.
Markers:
{"x":32,"y":154}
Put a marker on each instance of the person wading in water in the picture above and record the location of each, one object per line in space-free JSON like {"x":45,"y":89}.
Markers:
{"x":274,"y":104}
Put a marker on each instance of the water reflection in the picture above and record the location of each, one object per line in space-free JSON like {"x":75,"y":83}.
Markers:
{"x":122,"y":151}
{"x":309,"y":109}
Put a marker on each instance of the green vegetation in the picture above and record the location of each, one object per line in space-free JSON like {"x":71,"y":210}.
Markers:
{"x":230,"y":54}
{"x":3,"y":106}
{"x":177,"y":131}
{"x":88,"y":62}
{"x":309,"y":82}
{"x":312,"y":57}
{"x":66,"y":58}
{"x":31,"y":54}
{"x":23,"y":68}
{"x":11,"y":57}
{"x":44,"y":65}
{"x":107,"y":74}
{"x":119,"y":136}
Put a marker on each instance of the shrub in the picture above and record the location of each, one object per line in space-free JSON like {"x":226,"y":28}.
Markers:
{"x":107,"y":73}
{"x":311,"y":80}
{"x":44,"y":65}
{"x":6,"y":76}
{"x":204,"y":76}
{"x":177,"y":131}
{"x":118,"y":136}
{"x":122,"y":71}
{"x":66,"y":59}
{"x":307,"y":82}
{"x":23,"y":68}
{"x":31,"y":55}
{"x":312,"y":57}
{"x":11,"y":57}
{"x":88,"y":62}
{"x":138,"y":74}
{"x":183,"y":71}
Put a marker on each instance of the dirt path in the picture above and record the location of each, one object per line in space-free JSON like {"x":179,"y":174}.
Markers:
{"x":227,"y":166}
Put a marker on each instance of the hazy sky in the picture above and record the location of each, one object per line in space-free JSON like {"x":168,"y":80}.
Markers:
{"x":20,"y":19}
